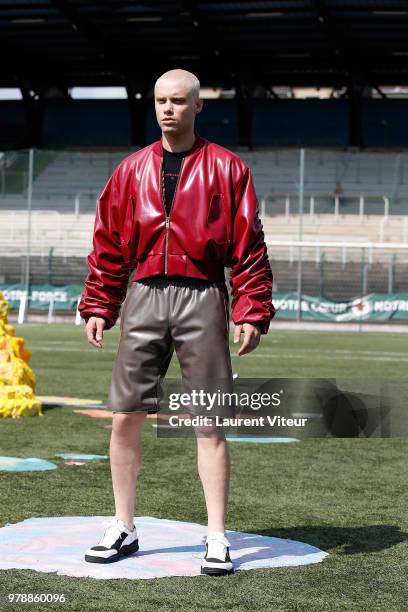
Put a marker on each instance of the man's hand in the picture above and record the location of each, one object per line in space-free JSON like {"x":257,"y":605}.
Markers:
{"x":252,"y":336}
{"x":94,"y":330}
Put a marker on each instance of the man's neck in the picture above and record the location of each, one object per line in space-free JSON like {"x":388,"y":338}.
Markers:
{"x":179,"y":143}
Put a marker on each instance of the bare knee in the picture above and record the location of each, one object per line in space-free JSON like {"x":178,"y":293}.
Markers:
{"x":212,"y":433}
{"x":128,"y":423}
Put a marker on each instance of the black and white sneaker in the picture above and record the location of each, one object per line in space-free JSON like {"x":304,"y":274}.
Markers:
{"x":217,"y":560}
{"x":117,"y":541}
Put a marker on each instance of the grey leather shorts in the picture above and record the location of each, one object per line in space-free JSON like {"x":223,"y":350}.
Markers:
{"x":160,"y":315}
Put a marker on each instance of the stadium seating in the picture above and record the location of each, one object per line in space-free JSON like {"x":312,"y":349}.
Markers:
{"x":61,"y":177}
{"x":68,"y":234}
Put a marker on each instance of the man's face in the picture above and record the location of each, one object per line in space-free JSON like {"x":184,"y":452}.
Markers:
{"x":175,"y":107}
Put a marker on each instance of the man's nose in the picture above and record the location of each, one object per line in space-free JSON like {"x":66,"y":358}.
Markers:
{"x":168,"y":108}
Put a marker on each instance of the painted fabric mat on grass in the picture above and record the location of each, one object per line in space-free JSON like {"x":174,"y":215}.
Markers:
{"x":25,"y":464}
{"x":54,"y":400}
{"x":86,"y":456}
{"x":167,"y":548}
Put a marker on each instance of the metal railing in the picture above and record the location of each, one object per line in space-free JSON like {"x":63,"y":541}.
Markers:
{"x":270,"y":204}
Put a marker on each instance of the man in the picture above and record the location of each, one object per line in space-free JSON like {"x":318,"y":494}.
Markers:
{"x":177,"y":211}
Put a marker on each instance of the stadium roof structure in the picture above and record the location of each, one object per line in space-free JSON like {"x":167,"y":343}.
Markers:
{"x":53,"y":45}
{"x":257,"y":52}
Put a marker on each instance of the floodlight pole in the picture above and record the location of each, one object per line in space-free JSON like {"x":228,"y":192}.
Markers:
{"x":299,"y":266}
{"x":29,"y":207}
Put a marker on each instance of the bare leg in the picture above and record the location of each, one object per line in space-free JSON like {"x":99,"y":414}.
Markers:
{"x":214,"y":469}
{"x":125,"y":459}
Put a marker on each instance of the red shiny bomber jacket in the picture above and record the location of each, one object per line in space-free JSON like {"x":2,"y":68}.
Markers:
{"x":213,"y":223}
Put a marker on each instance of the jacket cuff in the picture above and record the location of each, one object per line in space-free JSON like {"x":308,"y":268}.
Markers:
{"x":261,"y":326}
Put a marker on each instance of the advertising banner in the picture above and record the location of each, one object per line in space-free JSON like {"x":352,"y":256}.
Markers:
{"x":65,"y":297}
{"x":370,"y":307}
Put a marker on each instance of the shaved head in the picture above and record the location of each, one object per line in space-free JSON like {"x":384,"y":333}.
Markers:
{"x":177,"y":102}
{"x":180,"y":78}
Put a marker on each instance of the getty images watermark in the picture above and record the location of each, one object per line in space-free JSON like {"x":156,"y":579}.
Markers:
{"x":208,"y":401}
{"x":297,"y":407}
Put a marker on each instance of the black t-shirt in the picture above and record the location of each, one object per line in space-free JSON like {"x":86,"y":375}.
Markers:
{"x":171,"y":166}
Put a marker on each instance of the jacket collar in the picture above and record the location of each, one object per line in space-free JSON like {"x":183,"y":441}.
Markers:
{"x":198,"y":144}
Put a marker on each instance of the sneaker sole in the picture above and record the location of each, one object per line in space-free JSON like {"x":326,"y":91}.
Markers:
{"x":122,"y":553}
{"x":214,"y":571}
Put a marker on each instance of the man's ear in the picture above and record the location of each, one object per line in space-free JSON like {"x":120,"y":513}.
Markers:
{"x":200,"y":104}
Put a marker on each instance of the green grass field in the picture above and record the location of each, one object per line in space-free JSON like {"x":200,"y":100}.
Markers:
{"x":346,"y":496}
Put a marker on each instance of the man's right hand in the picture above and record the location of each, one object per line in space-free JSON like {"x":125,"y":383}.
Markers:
{"x":94,"y":330}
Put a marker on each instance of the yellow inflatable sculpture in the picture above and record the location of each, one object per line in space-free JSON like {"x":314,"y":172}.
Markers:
{"x":17,"y":380}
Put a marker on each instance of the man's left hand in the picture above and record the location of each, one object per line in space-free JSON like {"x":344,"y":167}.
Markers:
{"x":252,"y":335}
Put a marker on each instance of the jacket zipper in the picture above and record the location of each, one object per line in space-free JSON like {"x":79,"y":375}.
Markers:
{"x":171,"y":208}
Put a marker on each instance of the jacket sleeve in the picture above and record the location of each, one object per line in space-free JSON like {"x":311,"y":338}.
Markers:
{"x":107,"y":280}
{"x":251,"y":275}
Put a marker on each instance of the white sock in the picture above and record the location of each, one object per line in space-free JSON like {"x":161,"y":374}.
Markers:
{"x":218,"y":533}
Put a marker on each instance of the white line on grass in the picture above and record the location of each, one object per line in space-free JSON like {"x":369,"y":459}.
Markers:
{"x":354,"y":357}
{"x":340,"y":354}
{"x":300,"y":351}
